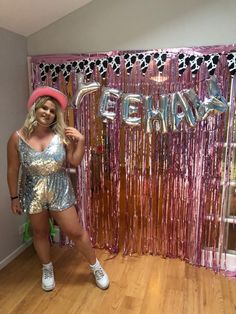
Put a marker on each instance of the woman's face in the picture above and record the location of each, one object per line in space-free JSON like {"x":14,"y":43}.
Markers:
{"x":46,"y":114}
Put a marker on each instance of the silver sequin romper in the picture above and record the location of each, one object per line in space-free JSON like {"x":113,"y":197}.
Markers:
{"x":44,"y":182}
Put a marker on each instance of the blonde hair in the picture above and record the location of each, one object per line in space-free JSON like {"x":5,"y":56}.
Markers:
{"x":58,"y":126}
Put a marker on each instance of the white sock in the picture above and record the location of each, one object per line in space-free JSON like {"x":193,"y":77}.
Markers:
{"x":96,"y":264}
{"x":49,"y":265}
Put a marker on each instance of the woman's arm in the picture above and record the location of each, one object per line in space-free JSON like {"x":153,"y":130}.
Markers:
{"x":13,"y":166}
{"x":75,"y":149}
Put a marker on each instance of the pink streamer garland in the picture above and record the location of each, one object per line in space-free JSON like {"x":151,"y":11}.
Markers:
{"x":154,"y":193}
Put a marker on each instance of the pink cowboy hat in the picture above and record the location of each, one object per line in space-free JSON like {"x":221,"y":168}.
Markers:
{"x":48,"y":91}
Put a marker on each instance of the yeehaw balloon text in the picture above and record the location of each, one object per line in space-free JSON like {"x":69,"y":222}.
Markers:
{"x":172,"y":109}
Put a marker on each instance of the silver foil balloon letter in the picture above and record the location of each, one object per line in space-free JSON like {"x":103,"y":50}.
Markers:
{"x":105,"y":100}
{"x":158,"y":117}
{"x":177,"y":100}
{"x":217,"y":104}
{"x":83,"y":89}
{"x":128,"y":109}
{"x":194,"y":101}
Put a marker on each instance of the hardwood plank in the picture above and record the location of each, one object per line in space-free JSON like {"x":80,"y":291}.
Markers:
{"x":139,"y":284}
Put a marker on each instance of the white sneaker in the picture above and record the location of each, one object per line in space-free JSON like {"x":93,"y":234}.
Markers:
{"x":48,"y":282}
{"x":100,"y":275}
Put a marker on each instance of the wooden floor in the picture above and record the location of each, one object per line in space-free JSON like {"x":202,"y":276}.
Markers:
{"x":143,"y":285}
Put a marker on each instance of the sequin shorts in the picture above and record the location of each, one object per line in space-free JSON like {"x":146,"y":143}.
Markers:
{"x":53,"y":192}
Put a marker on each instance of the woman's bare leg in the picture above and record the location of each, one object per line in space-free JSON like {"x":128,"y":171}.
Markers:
{"x":69,"y":222}
{"x":40,"y":228}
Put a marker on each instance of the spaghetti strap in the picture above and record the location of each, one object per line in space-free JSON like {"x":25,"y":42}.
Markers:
{"x":22,"y":138}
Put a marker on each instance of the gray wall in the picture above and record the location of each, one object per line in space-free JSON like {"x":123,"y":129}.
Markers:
{"x":13,"y":95}
{"x":105,"y":25}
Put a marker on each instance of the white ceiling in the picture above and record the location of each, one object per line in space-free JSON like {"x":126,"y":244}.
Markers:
{"x":26,"y":17}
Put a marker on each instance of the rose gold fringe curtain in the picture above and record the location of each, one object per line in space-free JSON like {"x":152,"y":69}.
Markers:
{"x":149,"y":193}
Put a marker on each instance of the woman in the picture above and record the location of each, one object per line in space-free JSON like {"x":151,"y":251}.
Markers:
{"x":40,"y":149}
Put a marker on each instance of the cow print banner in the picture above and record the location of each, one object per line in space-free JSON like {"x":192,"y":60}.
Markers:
{"x":87,"y":66}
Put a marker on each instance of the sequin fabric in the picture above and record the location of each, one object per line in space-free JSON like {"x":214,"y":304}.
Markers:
{"x":44,"y":182}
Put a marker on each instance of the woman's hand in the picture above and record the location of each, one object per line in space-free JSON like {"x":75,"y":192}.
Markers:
{"x":73,"y":134}
{"x":75,"y":149}
{"x":15,"y":206}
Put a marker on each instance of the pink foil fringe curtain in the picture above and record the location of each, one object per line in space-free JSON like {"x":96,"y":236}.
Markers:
{"x":160,"y":194}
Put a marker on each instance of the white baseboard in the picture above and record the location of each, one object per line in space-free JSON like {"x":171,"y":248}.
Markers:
{"x":14,"y":254}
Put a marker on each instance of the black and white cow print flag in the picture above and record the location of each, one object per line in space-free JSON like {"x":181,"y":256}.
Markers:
{"x":183,"y":62}
{"x":231,"y":59}
{"x":144,"y":60}
{"x":211,"y":62}
{"x":102,"y":66}
{"x":195,"y":63}
{"x":160,"y":59}
{"x":130,"y":60}
{"x":114,"y":62}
